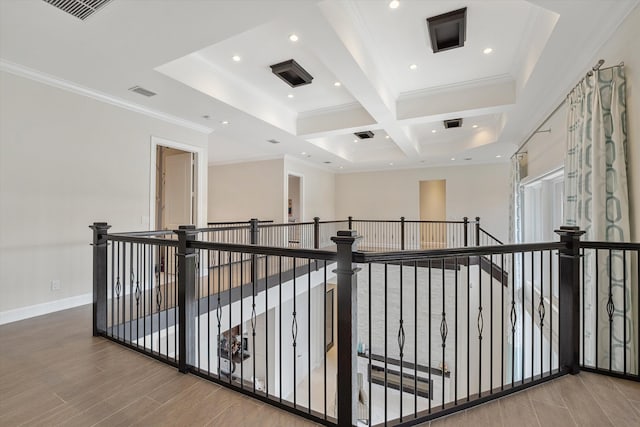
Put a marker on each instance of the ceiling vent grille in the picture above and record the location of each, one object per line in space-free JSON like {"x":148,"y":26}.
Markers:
{"x":81,"y":9}
{"x":364,"y":135}
{"x":448,"y":31}
{"x":142,"y":91}
{"x":453,"y":123}
{"x":273,"y":141}
{"x":292,"y":73}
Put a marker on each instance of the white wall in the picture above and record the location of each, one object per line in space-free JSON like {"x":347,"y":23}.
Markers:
{"x":480,"y":190}
{"x":66,"y":161}
{"x":241,"y":191}
{"x":318,"y":189}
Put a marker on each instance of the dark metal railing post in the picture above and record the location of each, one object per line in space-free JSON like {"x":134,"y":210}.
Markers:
{"x":253,"y":231}
{"x":477,"y":231}
{"x":569,"y":299}
{"x":99,"y":277}
{"x":186,"y":258}
{"x":402,"y":233}
{"x":316,"y":232}
{"x":466,"y":231}
{"x":350,"y":223}
{"x":347,"y":385}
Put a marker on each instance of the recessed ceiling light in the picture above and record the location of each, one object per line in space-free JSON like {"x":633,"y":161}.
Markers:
{"x":394,"y":4}
{"x":413,"y":67}
{"x":337,"y":84}
{"x":474,"y":126}
{"x":434,"y":131}
{"x":341,"y":167}
{"x":304,"y":153}
{"x":498,"y":156}
{"x":293,"y":37}
{"x":290,"y":95}
{"x":225,"y":122}
{"x":236,"y":58}
{"x":355,"y":140}
{"x":390,"y":164}
{"x":487,"y":51}
{"x":387,"y":137}
{"x":453,"y":158}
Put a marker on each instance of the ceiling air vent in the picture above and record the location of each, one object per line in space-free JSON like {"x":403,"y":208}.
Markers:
{"x":448,"y":31}
{"x":81,"y":9}
{"x":142,"y":91}
{"x":364,"y":135}
{"x":273,"y":141}
{"x":453,"y":123}
{"x":292,"y":73}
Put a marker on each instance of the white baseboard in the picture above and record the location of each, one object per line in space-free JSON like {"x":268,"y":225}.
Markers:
{"x":44,"y":308}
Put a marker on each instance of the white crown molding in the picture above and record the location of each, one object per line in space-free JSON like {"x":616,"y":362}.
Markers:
{"x":247,"y":160}
{"x":22,"y":313}
{"x":488,"y":81}
{"x":30,"y":73}
{"x":351,"y":106}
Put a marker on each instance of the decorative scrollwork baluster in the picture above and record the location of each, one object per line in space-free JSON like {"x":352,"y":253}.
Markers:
{"x":444,"y":329}
{"x":158,"y":292}
{"x":513,"y":317}
{"x":401,"y":338}
{"x":294,"y":329}
{"x":480,"y":323}
{"x":118,"y":288}
{"x":254,"y":319}
{"x":541,"y":311}
{"x":610,"y":307}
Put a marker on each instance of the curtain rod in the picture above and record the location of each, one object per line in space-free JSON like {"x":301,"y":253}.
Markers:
{"x":596,"y":67}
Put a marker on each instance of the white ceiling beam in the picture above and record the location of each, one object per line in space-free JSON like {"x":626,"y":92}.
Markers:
{"x":487,"y":97}
{"x":338,"y":45}
{"x":334,"y":121}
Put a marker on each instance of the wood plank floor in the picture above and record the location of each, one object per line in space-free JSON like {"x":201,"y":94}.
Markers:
{"x":53,"y":372}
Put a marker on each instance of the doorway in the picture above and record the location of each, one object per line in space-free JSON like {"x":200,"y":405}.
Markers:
{"x":294,"y":197}
{"x":433,"y":207}
{"x":175,"y":188}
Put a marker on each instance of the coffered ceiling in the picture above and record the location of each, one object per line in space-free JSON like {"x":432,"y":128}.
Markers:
{"x":373,"y":69}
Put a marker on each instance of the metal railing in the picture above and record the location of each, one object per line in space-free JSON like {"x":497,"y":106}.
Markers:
{"x":414,"y":334}
{"x":402,"y":234}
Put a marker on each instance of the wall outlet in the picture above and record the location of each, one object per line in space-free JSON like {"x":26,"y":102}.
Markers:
{"x":55,"y":285}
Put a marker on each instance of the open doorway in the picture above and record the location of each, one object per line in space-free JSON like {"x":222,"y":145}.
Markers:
{"x":175,"y":188}
{"x":433,"y":207}
{"x":294,"y":197}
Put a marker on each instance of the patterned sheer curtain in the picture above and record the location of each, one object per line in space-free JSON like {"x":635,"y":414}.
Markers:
{"x":515,"y":204}
{"x":596,"y":200}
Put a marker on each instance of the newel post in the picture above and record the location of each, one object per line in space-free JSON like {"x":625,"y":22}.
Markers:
{"x":100,"y":243}
{"x":347,"y":386}
{"x":477,"y":231}
{"x":316,"y":232}
{"x":466,"y":231}
{"x":253,"y":231}
{"x":187,"y":259}
{"x":350,"y":222}
{"x":402,"y":233}
{"x":569,"y":299}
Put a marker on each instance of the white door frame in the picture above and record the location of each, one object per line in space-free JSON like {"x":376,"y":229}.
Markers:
{"x":201,"y":168}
